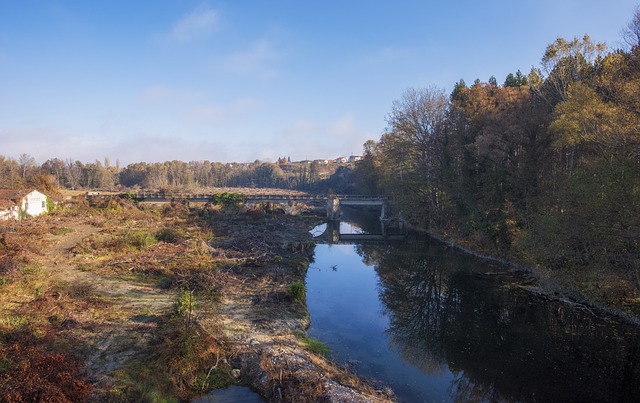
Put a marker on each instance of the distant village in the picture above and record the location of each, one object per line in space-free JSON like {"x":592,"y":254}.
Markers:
{"x":285,"y":161}
{"x":339,"y":160}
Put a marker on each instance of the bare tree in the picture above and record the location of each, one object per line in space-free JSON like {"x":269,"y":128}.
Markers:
{"x":412,"y":147}
{"x":26,"y":163}
{"x":631,"y":33}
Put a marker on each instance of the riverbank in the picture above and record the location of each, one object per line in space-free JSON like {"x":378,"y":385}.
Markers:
{"x":127,"y":303}
{"x":547,"y":284}
{"x":266,"y":324}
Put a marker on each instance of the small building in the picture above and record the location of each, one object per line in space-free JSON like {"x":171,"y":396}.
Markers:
{"x":340,"y":160}
{"x":16,"y":204}
{"x":355,"y":158}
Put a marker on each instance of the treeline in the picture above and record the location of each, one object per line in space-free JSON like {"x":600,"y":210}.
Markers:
{"x":544,"y":168}
{"x":70,"y":174}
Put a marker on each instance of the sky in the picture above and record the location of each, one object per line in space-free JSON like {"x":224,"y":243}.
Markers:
{"x":242,"y":80}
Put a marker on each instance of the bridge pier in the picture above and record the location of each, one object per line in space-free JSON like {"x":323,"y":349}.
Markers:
{"x":333,"y":208}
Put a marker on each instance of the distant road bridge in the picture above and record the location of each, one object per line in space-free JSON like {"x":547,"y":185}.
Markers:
{"x":332,"y":202}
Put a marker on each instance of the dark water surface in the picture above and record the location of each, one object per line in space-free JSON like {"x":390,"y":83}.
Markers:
{"x":231,"y":394}
{"x":436,"y":325}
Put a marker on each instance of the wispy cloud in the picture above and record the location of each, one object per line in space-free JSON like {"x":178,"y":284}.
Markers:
{"x":199,"y":23}
{"x":307,"y":139}
{"x":256,"y":59}
{"x":45,"y":142}
{"x":154,"y":148}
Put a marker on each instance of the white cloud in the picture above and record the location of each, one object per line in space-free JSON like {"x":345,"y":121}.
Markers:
{"x":306,"y":139}
{"x":343,"y":127}
{"x":214,"y":136}
{"x":46,"y":142}
{"x":302,"y":127}
{"x":144,"y":147}
{"x":200,"y":23}
{"x":255,"y":59}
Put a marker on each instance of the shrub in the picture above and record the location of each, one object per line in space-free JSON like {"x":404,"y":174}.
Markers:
{"x":137,"y":239}
{"x":227,"y":199}
{"x":169,"y":235}
{"x":297,"y":291}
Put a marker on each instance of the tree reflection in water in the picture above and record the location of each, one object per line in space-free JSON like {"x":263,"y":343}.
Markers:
{"x":501,"y":342}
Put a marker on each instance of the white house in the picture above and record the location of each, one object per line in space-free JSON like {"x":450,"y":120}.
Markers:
{"x":19,"y":203}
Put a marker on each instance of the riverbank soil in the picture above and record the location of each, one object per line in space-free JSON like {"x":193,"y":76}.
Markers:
{"x":113,"y":302}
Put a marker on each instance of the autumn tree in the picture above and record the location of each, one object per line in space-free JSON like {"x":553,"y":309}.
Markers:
{"x":568,"y":61}
{"x":496,"y":151}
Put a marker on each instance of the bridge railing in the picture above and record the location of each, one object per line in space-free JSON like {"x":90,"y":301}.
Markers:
{"x":265,"y":196}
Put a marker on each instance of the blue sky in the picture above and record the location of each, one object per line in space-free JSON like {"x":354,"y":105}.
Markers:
{"x":235,"y":80}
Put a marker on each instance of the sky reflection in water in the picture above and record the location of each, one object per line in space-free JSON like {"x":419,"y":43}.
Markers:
{"x":432,"y":325}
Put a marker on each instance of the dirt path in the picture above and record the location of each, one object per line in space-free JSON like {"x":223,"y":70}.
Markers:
{"x":111,"y":335}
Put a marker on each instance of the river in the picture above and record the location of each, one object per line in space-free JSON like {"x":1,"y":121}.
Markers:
{"x":437,"y":325}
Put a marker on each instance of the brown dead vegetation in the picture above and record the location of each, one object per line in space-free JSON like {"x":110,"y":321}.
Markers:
{"x":101,"y":288}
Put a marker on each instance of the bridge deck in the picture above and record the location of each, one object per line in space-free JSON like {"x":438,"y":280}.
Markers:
{"x":344,"y":199}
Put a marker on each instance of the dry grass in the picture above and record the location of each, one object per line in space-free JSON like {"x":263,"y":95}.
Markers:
{"x":99,"y":283}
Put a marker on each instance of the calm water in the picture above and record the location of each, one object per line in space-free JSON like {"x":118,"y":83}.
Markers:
{"x":436,"y":325}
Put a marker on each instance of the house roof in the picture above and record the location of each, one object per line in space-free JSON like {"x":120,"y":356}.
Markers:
{"x":11,"y":197}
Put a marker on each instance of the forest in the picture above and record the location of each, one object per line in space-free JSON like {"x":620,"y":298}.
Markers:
{"x":56,"y":173}
{"x":543,"y":169}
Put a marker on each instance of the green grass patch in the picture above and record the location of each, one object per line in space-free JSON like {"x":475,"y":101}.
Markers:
{"x":312,"y":345}
{"x":138,"y":239}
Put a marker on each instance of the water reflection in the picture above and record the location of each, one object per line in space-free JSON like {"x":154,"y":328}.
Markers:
{"x":464,"y":331}
{"x":500,"y":342}
{"x":344,"y":231}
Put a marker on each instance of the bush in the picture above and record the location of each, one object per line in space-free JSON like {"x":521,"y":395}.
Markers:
{"x":227,"y":199}
{"x":137,"y":239}
{"x":297,"y":291}
{"x":169,"y":235}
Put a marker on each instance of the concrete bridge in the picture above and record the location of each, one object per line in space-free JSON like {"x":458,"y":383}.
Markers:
{"x":332,"y":202}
